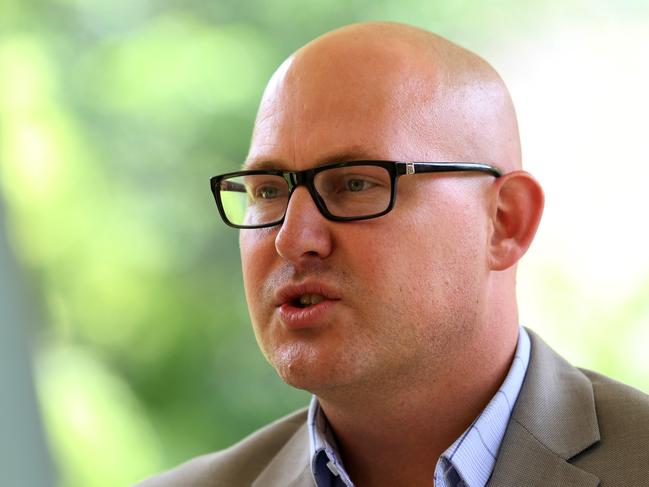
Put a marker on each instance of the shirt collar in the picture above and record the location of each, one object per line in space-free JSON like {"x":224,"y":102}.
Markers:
{"x":473,"y":455}
{"x":326,"y":466}
{"x":470,"y":459}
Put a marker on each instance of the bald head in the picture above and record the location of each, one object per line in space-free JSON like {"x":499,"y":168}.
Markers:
{"x":432,"y":99}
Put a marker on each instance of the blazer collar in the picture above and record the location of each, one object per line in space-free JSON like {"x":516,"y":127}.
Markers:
{"x":553,"y":420}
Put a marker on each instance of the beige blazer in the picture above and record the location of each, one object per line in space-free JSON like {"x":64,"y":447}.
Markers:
{"x":569,"y":427}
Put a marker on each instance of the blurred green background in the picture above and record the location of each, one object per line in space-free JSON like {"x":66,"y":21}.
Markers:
{"x":113,"y":116}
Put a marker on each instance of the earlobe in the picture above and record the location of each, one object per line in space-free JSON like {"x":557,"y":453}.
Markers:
{"x":516,"y":211}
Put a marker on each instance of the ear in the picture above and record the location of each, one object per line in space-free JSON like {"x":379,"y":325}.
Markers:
{"x":516,"y":210}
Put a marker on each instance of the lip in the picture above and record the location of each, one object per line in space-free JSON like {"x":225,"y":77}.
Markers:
{"x":294,"y":317}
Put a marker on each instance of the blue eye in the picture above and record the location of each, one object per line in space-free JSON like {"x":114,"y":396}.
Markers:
{"x":356,"y":185}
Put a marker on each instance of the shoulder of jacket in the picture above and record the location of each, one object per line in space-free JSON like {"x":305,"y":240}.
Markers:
{"x":610,"y":393}
{"x":621,"y":456}
{"x":237,"y":465}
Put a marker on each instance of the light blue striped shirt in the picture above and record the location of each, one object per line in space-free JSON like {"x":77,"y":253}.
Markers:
{"x":469,"y":461}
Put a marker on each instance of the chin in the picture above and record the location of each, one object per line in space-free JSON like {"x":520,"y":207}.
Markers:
{"x":309,"y":370}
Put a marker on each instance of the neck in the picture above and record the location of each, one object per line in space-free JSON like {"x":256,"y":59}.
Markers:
{"x":393,"y":433}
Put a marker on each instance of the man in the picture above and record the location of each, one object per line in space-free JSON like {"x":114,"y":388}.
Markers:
{"x":387,"y":289}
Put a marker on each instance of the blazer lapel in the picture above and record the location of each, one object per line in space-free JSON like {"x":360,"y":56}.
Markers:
{"x":290,"y":467}
{"x":553,"y":420}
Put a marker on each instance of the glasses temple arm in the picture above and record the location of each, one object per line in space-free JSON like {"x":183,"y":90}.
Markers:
{"x":432,"y":167}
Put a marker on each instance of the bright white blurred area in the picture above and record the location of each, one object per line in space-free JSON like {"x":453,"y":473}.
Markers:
{"x":581,"y":92}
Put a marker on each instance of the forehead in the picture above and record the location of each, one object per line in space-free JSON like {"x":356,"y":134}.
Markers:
{"x":363,"y":105}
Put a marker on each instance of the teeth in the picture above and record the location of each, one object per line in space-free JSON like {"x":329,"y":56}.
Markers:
{"x":309,"y":299}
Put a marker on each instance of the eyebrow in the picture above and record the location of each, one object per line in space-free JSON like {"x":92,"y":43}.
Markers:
{"x":261,"y":164}
{"x":351,"y":154}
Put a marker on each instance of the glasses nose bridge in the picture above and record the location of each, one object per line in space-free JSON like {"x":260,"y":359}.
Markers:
{"x":303,"y":178}
{"x":299,"y":178}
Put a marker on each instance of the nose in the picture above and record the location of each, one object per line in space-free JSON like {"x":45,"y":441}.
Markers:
{"x":305,"y":233}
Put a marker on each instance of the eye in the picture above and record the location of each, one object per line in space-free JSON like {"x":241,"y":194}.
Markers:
{"x":266,"y":192}
{"x":356,"y":185}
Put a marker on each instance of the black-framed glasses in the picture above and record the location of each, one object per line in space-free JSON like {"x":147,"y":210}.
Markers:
{"x":343,"y":192}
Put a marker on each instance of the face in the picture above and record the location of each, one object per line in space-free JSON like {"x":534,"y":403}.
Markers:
{"x":388,"y":299}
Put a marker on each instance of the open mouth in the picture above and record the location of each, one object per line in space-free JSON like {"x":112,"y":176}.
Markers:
{"x":307,"y":305}
{"x":307,"y":300}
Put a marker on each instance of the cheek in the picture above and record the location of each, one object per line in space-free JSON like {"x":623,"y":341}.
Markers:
{"x":257,"y":249}
{"x":451,"y":229}
{"x":443,"y":256}
{"x":385,"y":261}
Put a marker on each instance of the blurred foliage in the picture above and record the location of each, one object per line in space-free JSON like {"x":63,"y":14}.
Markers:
{"x":113,"y":116}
